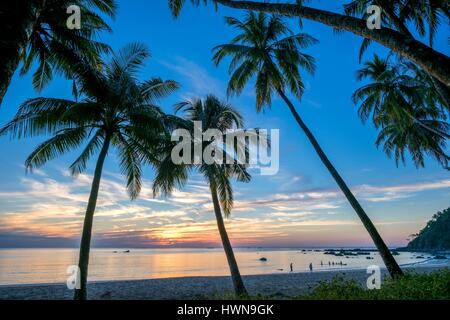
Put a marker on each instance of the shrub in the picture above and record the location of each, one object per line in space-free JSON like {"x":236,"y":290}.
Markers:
{"x":413,"y":286}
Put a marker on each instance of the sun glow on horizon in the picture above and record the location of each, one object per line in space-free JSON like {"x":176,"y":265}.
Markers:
{"x":54,"y":209}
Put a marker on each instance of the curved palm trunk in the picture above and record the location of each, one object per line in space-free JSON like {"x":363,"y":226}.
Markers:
{"x":85,"y":246}
{"x":238,"y":284}
{"x":432,"y":61}
{"x":389,"y":261}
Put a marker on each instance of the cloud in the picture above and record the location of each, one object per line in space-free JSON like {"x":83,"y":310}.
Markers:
{"x":325,"y":199}
{"x":53,"y":208}
{"x":401,"y":191}
{"x":292,"y":214}
{"x":313,"y":103}
{"x":199,"y":81}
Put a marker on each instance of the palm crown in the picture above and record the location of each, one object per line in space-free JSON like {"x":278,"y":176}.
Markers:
{"x":49,"y":33}
{"x":213,"y":114}
{"x":115,"y":108}
{"x":403,"y":103}
{"x":268,"y":50}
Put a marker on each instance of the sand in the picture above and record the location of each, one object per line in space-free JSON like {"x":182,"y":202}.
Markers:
{"x":277,"y":286}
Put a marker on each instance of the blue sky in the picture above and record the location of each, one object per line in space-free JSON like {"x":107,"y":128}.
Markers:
{"x":300,"y":206}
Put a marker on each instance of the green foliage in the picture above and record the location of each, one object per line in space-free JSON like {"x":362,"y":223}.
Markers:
{"x":46,"y":33}
{"x":404,"y":105}
{"x":268,"y":51}
{"x":435,"y":235}
{"x":413,"y":286}
{"x":214,"y":114}
{"x":337,"y":289}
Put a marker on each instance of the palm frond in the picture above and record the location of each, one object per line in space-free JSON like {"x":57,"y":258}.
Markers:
{"x":130,"y":163}
{"x":63,"y":142}
{"x":267,"y":51}
{"x":80,"y":164}
{"x":38,"y":116}
{"x":155,"y":89}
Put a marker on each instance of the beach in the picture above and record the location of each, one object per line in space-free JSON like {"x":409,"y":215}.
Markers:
{"x":275,"y":286}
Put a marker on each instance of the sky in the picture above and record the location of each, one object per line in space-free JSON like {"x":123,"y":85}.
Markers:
{"x":301,"y":206}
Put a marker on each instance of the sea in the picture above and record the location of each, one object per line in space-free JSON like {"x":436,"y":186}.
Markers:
{"x":53,"y":266}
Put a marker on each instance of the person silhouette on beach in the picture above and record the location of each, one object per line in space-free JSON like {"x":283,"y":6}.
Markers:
{"x":321,"y":263}
{"x":311,"y":267}
{"x":292,"y":267}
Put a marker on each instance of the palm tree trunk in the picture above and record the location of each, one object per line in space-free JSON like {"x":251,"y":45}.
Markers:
{"x":432,"y":61}
{"x":389,"y":261}
{"x":85,"y":246}
{"x":238,"y":284}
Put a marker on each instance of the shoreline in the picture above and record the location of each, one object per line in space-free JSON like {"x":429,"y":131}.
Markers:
{"x":422,"y":264}
{"x":276,"y":286}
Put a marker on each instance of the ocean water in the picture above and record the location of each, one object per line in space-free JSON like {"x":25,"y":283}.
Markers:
{"x":33,"y":266}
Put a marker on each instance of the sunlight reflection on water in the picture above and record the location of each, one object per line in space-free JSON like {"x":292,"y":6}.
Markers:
{"x":30,"y":266}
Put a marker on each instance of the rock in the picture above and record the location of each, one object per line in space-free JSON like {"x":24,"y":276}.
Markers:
{"x":439,"y":257}
{"x":263,"y":259}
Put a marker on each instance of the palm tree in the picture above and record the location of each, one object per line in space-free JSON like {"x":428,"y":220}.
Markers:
{"x":116,"y":110}
{"x":404,"y":104}
{"x":35,"y":30}
{"x":261,"y":51}
{"x":399,"y":14}
{"x":213,"y":114}
{"x":433,"y":62}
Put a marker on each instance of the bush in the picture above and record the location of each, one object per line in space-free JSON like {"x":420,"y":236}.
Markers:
{"x":413,"y":286}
